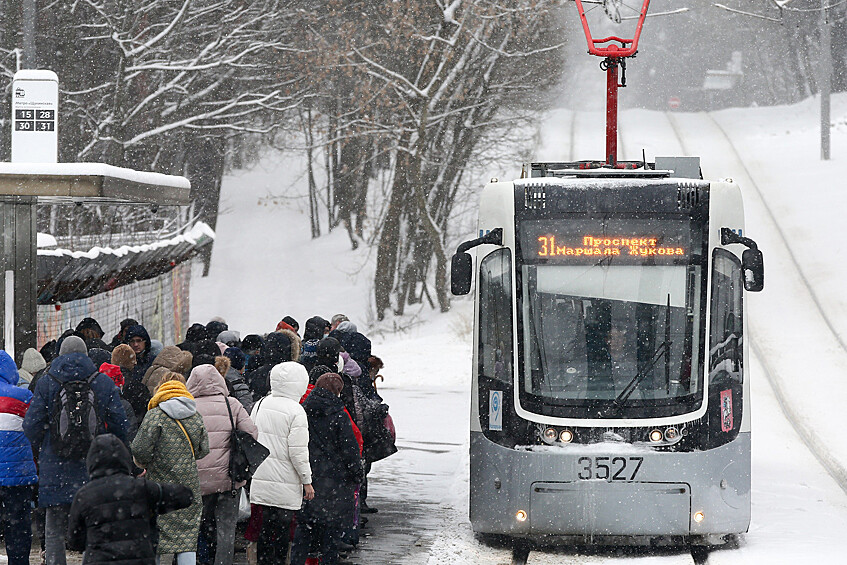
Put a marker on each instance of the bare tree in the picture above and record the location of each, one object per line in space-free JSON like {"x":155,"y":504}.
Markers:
{"x":423,"y":86}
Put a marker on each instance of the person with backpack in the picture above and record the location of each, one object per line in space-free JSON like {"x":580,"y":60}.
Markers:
{"x":17,"y":469}
{"x":336,"y":470}
{"x":169,"y":442}
{"x":113,"y":517}
{"x":72,"y":403}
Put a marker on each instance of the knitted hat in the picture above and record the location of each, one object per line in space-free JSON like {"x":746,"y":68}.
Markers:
{"x":331,"y":382}
{"x":327,"y":352}
{"x":347,"y":326}
{"x":236,"y":357}
{"x":229,"y":337}
{"x":252,"y":342}
{"x":73,"y":344}
{"x":113,"y":372}
{"x":202,"y":359}
{"x":207,"y":347}
{"x":214,"y":328}
{"x":197,"y":332}
{"x":123,"y":356}
{"x":99,"y":356}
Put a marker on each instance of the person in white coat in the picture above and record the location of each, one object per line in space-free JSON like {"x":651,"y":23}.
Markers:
{"x":284,"y":479}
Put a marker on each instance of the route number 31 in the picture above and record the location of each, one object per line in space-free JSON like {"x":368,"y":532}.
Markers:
{"x":608,"y":468}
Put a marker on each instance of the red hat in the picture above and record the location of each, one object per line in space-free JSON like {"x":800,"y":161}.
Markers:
{"x":283,"y":325}
{"x":113,"y":372}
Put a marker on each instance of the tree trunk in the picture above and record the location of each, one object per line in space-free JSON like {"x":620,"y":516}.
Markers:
{"x":389,"y":240}
{"x":314,"y":213}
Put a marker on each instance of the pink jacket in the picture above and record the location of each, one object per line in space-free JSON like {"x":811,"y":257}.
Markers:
{"x":208,"y":388}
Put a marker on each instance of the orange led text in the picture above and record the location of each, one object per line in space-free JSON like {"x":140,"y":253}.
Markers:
{"x":607,"y":246}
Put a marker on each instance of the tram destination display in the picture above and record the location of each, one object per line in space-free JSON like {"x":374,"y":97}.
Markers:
{"x":624,"y":241}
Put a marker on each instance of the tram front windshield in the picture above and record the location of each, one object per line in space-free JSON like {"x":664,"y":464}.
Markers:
{"x":611,"y":317}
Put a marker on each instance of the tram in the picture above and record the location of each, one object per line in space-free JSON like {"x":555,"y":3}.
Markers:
{"x":610,"y":392}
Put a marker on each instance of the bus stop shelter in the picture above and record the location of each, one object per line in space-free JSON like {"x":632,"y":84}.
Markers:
{"x":22,"y":187}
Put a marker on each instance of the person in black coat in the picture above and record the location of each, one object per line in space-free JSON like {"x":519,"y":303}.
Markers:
{"x":195,"y":334}
{"x":139,"y":340}
{"x":315,"y":330}
{"x":336,"y":470}
{"x":359,"y":348}
{"x":112,"y":518}
{"x":251,"y":345}
{"x":119,"y":337}
{"x":328,"y":352}
{"x":277,"y":348}
{"x":91,"y":332}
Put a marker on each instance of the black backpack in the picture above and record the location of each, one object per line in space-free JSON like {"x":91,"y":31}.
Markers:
{"x":73,"y":418}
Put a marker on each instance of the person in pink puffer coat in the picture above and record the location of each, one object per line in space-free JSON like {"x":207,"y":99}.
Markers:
{"x":220,"y":495}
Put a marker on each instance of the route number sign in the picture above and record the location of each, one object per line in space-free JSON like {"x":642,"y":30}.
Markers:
{"x":35,"y":107}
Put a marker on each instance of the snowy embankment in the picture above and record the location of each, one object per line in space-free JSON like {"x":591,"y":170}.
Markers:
{"x":265,"y":266}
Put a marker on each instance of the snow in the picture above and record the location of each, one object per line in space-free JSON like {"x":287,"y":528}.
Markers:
{"x":93,"y":170}
{"x":195,"y":233}
{"x":45,"y":240}
{"x":265,"y":266}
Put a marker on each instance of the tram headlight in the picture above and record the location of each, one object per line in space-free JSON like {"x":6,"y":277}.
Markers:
{"x":549,"y":435}
{"x":520,"y":515}
{"x":671,"y":434}
{"x":699,"y":516}
{"x":566,"y":436}
{"x":656,"y":436}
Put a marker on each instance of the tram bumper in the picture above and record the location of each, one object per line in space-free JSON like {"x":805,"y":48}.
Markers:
{"x":601,"y":508}
{"x":693,"y":493}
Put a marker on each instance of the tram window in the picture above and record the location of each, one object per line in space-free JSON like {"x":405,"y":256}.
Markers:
{"x":610,"y":334}
{"x":725,"y":348}
{"x":495,"y":316}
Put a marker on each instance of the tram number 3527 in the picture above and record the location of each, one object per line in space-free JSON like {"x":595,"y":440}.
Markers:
{"x":608,"y":468}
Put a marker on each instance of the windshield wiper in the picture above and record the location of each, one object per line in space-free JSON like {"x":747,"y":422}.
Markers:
{"x":663,"y":350}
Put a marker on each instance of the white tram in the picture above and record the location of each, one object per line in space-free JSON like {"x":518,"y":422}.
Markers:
{"x":610,"y":388}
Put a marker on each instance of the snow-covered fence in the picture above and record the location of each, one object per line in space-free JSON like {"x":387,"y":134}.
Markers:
{"x":149,"y":283}
{"x":160,"y":304}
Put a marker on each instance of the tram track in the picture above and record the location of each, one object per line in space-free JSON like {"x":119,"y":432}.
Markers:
{"x":520,"y":555}
{"x":816,"y":446}
{"x":527,"y":555}
{"x":751,"y":182}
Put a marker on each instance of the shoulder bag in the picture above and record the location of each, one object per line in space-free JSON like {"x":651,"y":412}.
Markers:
{"x":246,"y":453}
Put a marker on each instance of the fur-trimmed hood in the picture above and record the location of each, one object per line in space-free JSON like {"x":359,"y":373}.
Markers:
{"x":280,"y":347}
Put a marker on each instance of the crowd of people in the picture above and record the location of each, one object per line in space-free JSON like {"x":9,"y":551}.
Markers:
{"x":124,"y":450}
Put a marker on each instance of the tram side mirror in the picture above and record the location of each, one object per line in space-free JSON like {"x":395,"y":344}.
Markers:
{"x":461,"y":269}
{"x":753,"y":266}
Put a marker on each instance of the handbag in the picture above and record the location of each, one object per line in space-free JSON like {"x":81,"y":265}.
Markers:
{"x":246,"y":453}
